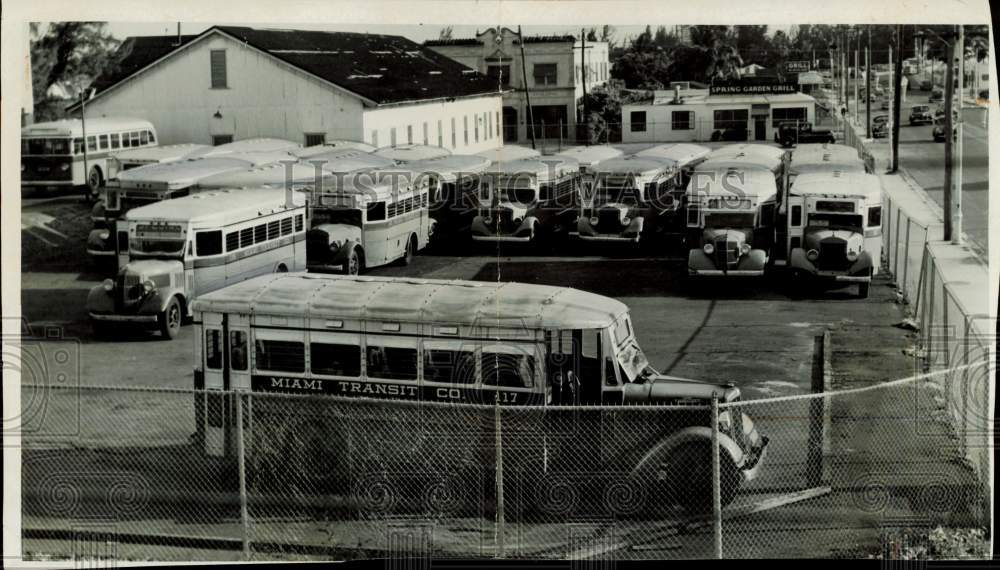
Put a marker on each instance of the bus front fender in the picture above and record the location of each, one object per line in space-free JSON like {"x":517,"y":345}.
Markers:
{"x":699,"y":434}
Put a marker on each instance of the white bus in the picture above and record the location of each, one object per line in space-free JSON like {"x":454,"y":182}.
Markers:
{"x":367,"y":219}
{"x":830,"y":227}
{"x":138,"y":157}
{"x":727,"y":228}
{"x":53,"y":153}
{"x":409,"y":152}
{"x":180,"y":249}
{"x":388,"y":352}
{"x":155,"y":182}
{"x":521,"y":200}
{"x":825,"y":158}
{"x":509,"y":152}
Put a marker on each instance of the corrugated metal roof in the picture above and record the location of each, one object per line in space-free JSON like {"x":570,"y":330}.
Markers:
{"x":839,"y":182}
{"x":678,"y":154}
{"x":463,"y":303}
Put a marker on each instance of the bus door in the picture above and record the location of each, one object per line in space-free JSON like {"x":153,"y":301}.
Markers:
{"x":795,"y":224}
{"x":121,"y":242}
{"x":237,"y":366}
{"x":216,"y":380}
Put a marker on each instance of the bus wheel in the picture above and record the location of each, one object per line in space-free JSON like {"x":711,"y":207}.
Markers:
{"x":690,"y":470}
{"x":863,"y":290}
{"x":353,"y":264}
{"x":101,"y":329}
{"x":170,"y":319}
{"x":94,"y":182}
{"x":411,"y":248}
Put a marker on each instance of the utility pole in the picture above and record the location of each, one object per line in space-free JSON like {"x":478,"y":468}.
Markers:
{"x":527,"y":94}
{"x":868,"y":91}
{"x":83,"y":128}
{"x":949,"y":142}
{"x":956,"y":201}
{"x":857,"y":86}
{"x":897,"y":82}
{"x":892,"y":107}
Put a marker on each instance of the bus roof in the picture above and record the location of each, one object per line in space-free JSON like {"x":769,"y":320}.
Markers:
{"x":218,"y":207}
{"x":544,"y":168}
{"x":740,"y":162}
{"x":636,"y":165}
{"x":678,"y":155}
{"x":838,"y":183}
{"x":744,"y":182}
{"x":370,"y":185}
{"x":468,"y":303}
{"x":590,"y":156}
{"x":328,"y":146}
{"x":509,"y":152}
{"x":349,"y":160}
{"x":274,"y":174}
{"x":824,"y":152}
{"x":165,"y":153}
{"x":747,"y":149}
{"x":184,"y":173}
{"x":252,"y":145}
{"x":74,"y":127}
{"x":410,"y":152}
{"x":447,"y":168}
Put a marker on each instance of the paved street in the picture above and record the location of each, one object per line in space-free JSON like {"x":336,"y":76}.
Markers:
{"x":924,"y":160}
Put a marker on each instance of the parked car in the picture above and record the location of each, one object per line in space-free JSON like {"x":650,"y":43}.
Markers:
{"x":937,"y":95}
{"x":939,"y":129}
{"x":880,"y":126}
{"x":921,"y":114}
{"x":792,"y":133}
{"x":730,"y":135}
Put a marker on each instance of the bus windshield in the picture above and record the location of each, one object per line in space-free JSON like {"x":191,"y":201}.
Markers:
{"x":632,"y":361}
{"x":729,"y":220}
{"x":836,"y":221}
{"x":45,"y":146}
{"x":350,"y":216}
{"x":617,"y":192}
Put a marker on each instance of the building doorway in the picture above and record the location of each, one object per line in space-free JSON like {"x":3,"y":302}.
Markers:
{"x":509,"y":125}
{"x":760,"y":129}
{"x":551,"y":121}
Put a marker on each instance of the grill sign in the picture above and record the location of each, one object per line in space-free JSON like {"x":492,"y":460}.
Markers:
{"x":797,"y":66}
{"x":752,"y":89}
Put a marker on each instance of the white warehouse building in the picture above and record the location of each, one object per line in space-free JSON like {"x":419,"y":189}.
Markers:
{"x":232,"y":83}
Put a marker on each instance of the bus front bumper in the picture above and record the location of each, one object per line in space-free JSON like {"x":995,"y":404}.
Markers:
{"x":503,"y":238}
{"x":859,"y":272}
{"x":115,"y":318}
{"x":607,"y":238}
{"x":729,"y":273}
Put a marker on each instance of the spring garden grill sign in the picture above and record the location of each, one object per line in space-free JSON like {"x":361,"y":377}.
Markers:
{"x":752,"y":88}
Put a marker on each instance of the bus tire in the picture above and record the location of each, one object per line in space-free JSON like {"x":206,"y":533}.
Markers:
{"x":169,"y":320}
{"x":410,"y":251}
{"x":354,"y":264}
{"x":691,"y":475}
{"x":100,"y":329}
{"x":863,"y":290}
{"x":94,"y":182}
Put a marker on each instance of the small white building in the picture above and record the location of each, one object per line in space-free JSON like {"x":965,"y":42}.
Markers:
{"x":700,"y":115}
{"x":232,"y":83}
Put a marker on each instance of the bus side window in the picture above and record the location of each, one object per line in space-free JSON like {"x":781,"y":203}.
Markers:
{"x":91,"y":143}
{"x":144,"y":138}
{"x":335,"y":359}
{"x":796,"y":216}
{"x":246,"y":237}
{"x":392,"y":363}
{"x":213,"y":349}
{"x":376,"y":212}
{"x":115,"y":141}
{"x":454,"y":366}
{"x":77,"y":145}
{"x":232,"y":241}
{"x":286,"y":226}
{"x":609,"y":372}
{"x":298,"y":223}
{"x":238,"y":350}
{"x":875,"y":217}
{"x":280,"y":355}
{"x":103,"y":142}
{"x":208,"y":243}
{"x":260,"y":233}
{"x":507,"y":370}
{"x":152,"y":137}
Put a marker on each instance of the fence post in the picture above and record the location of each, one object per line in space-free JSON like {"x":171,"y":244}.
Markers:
{"x":895,"y":250}
{"x":716,"y":479}
{"x":501,"y":531}
{"x":906,"y":257}
{"x":560,"y":135}
{"x":818,"y":470}
{"x":241,"y":466}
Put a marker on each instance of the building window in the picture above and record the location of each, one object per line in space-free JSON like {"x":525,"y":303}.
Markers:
{"x":221,"y":139}
{"x":218,"y":57}
{"x":682,"y":120}
{"x":453,"y":144}
{"x":440,"y":134}
{"x":499,"y":73}
{"x":375,"y":137}
{"x":392,"y":137}
{"x":638,"y":121}
{"x":315,"y":139}
{"x":545,"y":74}
{"x":731,"y":119}
{"x":465,"y":123}
{"x":425,"y":133}
{"x":409,"y":134}
{"x":795,"y":114}
{"x":475,"y":119}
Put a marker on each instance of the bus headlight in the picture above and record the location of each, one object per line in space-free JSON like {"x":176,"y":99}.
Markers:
{"x":709,"y":249}
{"x":812,"y":255}
{"x":517,"y":221}
{"x":64,"y":166}
{"x":334,"y":247}
{"x":488,"y":220}
{"x":148,"y":286}
{"x":852,"y":255}
{"x":103,"y":235}
{"x":626,"y":221}
{"x":594,"y":220}
{"x":745,"y":249}
{"x":108,"y":285}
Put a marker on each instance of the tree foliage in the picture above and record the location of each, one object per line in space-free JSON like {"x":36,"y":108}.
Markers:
{"x":68,"y":55}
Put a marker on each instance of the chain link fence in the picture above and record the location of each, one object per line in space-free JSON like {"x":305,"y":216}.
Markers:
{"x":307,"y":477}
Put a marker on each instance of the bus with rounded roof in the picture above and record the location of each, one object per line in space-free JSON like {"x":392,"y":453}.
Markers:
{"x":182,"y":248}
{"x":59,"y":154}
{"x":405,"y":368}
{"x":523,"y":200}
{"x":454,"y":185}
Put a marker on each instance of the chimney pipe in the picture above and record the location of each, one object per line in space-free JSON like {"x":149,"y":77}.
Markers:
{"x":677,"y":93}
